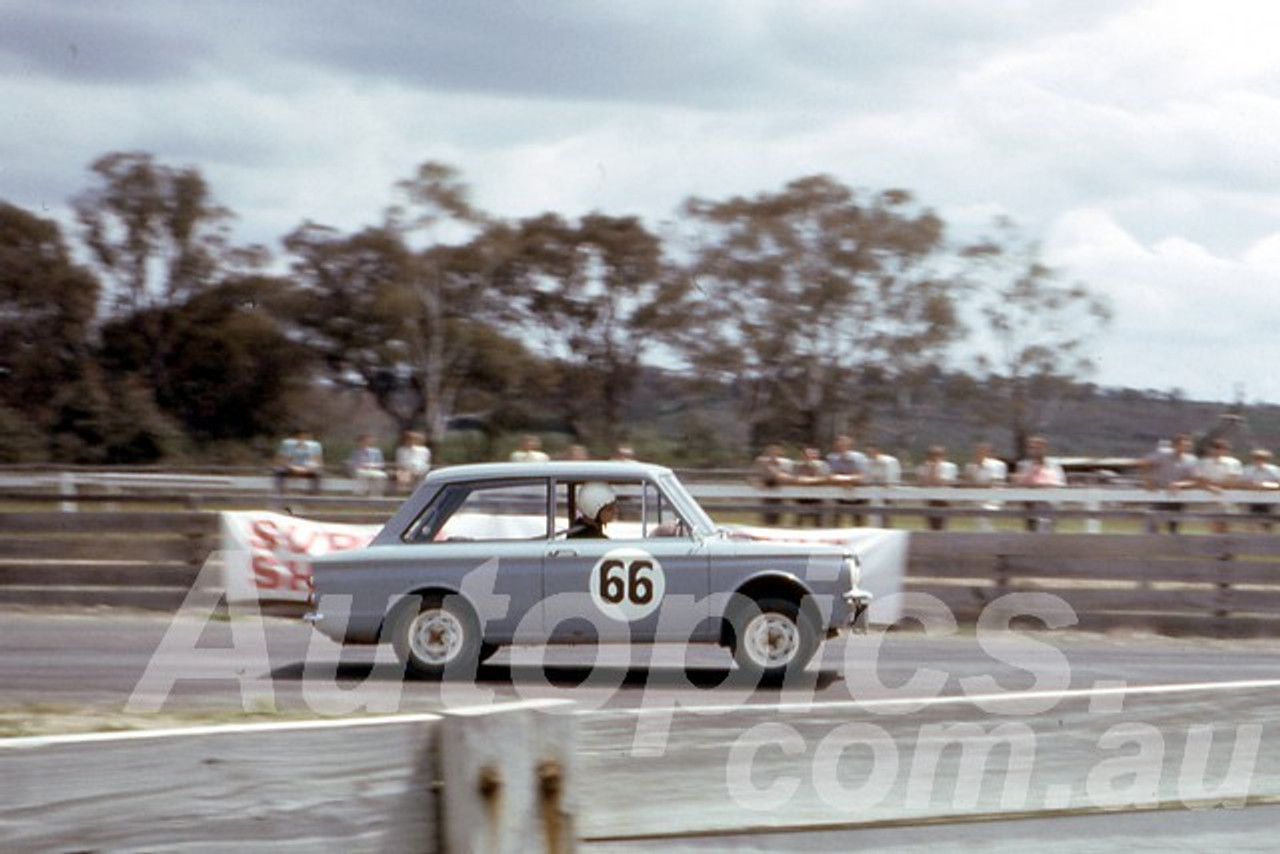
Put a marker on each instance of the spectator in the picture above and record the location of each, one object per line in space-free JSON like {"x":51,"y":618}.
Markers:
{"x":530,"y":451}
{"x":769,"y":471}
{"x":1170,"y":468}
{"x":937,"y":470}
{"x":848,"y":468}
{"x":368,"y":466}
{"x":413,"y":460}
{"x":624,"y":453}
{"x":1217,"y":471}
{"x":1039,"y":470}
{"x":882,"y":470}
{"x":578,"y":452}
{"x":299,"y":457}
{"x":1261,"y":473}
{"x":985,"y":471}
{"x":811,"y":470}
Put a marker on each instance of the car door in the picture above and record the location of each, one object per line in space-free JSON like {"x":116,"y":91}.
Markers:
{"x":486,"y":539}
{"x":646,"y":581}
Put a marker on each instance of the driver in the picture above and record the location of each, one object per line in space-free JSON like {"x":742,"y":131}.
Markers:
{"x":597,"y":507}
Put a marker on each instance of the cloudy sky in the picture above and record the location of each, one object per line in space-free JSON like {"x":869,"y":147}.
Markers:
{"x":1139,"y":140}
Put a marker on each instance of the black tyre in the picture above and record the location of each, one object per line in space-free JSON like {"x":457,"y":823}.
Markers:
{"x":438,"y":638}
{"x":773,"y":638}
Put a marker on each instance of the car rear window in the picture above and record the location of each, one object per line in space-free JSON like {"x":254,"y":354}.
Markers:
{"x":489,"y":510}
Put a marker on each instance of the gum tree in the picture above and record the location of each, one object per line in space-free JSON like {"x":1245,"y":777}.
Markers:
{"x":798,"y":293}
{"x":1040,"y":329}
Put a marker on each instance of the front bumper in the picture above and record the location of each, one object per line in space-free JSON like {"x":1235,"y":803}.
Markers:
{"x":857,"y":601}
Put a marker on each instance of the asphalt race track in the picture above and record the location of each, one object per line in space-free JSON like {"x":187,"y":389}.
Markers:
{"x":891,"y":742}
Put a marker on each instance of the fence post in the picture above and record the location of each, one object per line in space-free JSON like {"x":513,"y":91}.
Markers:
{"x":507,"y":781}
{"x":1223,"y":595}
{"x":1093,"y":525}
{"x":67,"y":487}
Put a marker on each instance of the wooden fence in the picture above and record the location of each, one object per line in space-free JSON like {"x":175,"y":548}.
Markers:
{"x":501,"y":780}
{"x":1214,"y":584}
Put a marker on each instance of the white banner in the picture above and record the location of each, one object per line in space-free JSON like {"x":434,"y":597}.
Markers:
{"x":882,"y":554}
{"x":267,"y":556}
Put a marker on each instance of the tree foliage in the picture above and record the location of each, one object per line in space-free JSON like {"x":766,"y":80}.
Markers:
{"x":230,"y":371}
{"x":596,"y":298}
{"x":154,"y":231}
{"x":411,"y":325}
{"x":806,"y":308}
{"x":47,"y":308}
{"x":801,"y":291}
{"x":1040,"y":329}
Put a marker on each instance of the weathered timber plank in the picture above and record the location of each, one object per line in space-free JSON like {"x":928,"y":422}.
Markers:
{"x":94,"y":574}
{"x":364,"y":788}
{"x":1132,"y":569}
{"x":1093,"y":545}
{"x":1099,"y":600}
{"x":185,"y":524}
{"x":164,"y":599}
{"x":139,"y":549}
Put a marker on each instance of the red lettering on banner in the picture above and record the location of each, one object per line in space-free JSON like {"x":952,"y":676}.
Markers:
{"x":302,"y":539}
{"x":341,"y":541}
{"x":299,"y":576}
{"x":266,"y":571}
{"x":263,"y":534}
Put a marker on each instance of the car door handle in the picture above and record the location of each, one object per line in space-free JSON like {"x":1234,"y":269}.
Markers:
{"x":562,"y":553}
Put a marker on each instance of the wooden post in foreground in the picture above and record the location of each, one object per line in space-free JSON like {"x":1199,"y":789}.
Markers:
{"x":508,"y":781}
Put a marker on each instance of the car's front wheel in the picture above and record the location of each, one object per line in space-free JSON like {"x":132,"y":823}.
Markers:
{"x":773,"y":638}
{"x":438,"y":638}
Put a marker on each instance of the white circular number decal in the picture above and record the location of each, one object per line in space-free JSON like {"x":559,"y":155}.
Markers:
{"x":627,"y":584}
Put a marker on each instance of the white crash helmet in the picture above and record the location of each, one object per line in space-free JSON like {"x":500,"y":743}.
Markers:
{"x":594,"y":497}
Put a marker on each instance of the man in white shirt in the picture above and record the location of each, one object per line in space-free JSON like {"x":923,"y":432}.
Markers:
{"x":1039,"y":469}
{"x":987,"y":471}
{"x":1218,"y":470}
{"x":1261,"y":474}
{"x":530,"y":451}
{"x":937,"y":470}
{"x":882,"y":470}
{"x":413,"y":460}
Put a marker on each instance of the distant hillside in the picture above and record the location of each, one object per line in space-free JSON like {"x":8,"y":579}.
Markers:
{"x":1091,"y":421}
{"x":1109,"y":423}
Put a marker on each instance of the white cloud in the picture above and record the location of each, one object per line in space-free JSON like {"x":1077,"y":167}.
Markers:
{"x":1185,"y":318}
{"x":1136,"y":137}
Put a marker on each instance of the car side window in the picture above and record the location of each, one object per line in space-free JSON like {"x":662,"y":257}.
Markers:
{"x":485,"y":511}
{"x":643,"y":511}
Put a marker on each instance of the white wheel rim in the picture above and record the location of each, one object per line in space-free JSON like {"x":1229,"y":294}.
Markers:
{"x":436,"y":636}
{"x":771,"y":640}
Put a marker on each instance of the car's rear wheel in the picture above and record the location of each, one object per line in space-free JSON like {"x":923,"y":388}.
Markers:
{"x":773,"y":638}
{"x":438,"y":638}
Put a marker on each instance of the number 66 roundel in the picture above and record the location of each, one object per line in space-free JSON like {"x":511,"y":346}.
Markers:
{"x":627,"y":584}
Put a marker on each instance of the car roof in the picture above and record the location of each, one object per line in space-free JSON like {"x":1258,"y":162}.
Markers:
{"x":565,"y":469}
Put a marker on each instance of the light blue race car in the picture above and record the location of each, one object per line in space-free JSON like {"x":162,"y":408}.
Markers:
{"x":482,"y":556}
